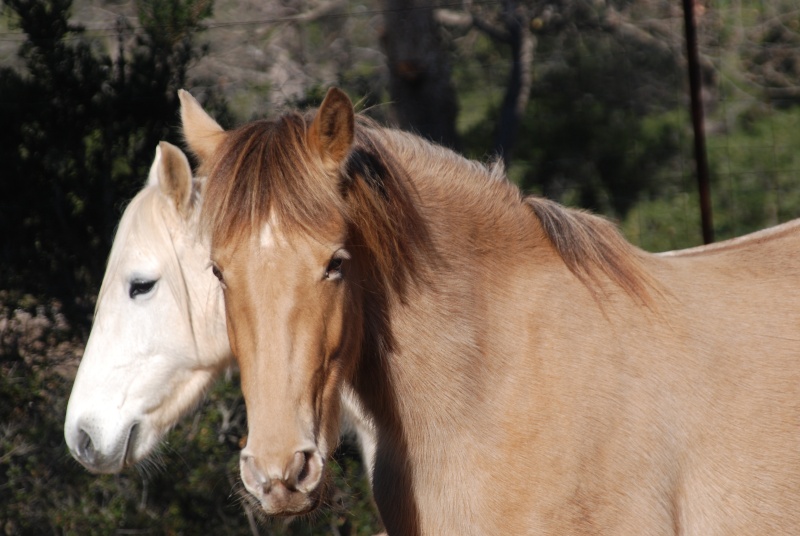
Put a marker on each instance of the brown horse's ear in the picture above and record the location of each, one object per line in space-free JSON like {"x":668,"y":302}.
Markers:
{"x":202,"y":134}
{"x":173,"y":175}
{"x":331,"y":133}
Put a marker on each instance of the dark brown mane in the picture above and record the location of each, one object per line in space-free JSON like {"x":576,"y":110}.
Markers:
{"x":382,"y":210}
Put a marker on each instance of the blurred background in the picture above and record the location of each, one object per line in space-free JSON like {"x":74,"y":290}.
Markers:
{"x":586,"y":101}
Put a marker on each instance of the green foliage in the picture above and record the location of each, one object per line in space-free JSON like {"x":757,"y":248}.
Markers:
{"x":755,"y":171}
{"x":599,"y":156}
{"x":49,"y":112}
{"x":665,"y":222}
{"x":775,"y":64}
{"x":312,"y":98}
{"x":607,"y":126}
{"x":173,"y":21}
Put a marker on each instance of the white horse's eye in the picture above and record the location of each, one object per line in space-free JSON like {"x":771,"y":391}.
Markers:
{"x":140,"y":286}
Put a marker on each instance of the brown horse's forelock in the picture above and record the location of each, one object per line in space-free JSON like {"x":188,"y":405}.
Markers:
{"x":265,"y":169}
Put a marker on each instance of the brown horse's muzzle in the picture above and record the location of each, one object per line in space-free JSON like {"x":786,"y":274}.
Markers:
{"x":290,"y":488}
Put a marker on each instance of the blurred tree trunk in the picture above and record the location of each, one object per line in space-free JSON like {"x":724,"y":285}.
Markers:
{"x":419,"y":71}
{"x":522,"y":43}
{"x":510,"y":26}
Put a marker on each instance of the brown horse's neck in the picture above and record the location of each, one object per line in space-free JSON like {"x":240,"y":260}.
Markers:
{"x":442,"y":312}
{"x":432,"y":357}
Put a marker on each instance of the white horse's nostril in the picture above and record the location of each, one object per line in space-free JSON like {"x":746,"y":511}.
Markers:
{"x":85,"y":450}
{"x":127,"y":457}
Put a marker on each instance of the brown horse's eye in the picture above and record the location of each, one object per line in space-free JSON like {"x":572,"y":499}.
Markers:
{"x":336,"y":264}
{"x":334,"y":269}
{"x":217,"y":273}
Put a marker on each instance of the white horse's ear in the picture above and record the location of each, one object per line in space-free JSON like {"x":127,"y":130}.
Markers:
{"x":152,"y":177}
{"x":174,"y":175}
{"x":332,"y":131}
{"x":202,"y":134}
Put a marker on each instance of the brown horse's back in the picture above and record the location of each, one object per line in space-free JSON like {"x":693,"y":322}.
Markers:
{"x":734,"y":314}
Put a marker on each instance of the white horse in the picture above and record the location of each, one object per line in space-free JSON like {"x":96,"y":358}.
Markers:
{"x":159,"y":337}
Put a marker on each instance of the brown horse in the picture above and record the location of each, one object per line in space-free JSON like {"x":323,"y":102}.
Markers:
{"x":528,"y":371}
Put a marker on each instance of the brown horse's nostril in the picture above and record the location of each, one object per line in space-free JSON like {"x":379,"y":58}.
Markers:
{"x":301,"y":461}
{"x":307,"y":468}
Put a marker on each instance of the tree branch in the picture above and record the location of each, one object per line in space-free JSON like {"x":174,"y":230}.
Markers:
{"x":615,"y":22}
{"x":320,"y":11}
{"x":466,"y":19}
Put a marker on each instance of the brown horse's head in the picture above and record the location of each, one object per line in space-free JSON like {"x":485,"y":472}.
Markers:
{"x":298,"y":229}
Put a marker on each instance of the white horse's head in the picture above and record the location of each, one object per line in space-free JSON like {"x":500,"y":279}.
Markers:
{"x":159,"y":337}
